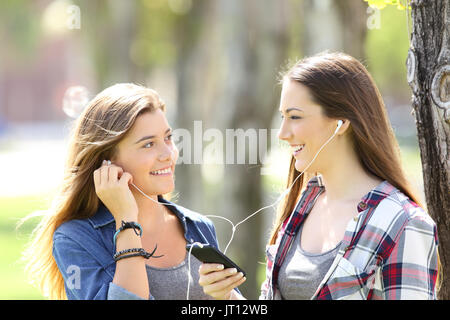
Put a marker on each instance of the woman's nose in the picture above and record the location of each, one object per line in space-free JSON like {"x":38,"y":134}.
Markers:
{"x":284,"y":133}
{"x":166,"y":152}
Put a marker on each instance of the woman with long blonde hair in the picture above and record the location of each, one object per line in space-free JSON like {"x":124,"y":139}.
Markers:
{"x":110,"y":234}
{"x":351,"y":226}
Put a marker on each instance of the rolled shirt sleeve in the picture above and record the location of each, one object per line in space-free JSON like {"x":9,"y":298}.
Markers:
{"x":116,"y":292}
{"x":85,"y":278}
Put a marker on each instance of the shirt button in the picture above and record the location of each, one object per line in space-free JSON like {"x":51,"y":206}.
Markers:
{"x":362,"y":205}
{"x":355,"y":219}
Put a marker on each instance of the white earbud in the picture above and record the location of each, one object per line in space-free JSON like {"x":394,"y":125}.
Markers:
{"x":340,"y":123}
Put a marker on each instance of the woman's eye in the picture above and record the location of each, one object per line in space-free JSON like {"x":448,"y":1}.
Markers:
{"x":169,"y":137}
{"x":291,"y":117}
{"x":149,"y":145}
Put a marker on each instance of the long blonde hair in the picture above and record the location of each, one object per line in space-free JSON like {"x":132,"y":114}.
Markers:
{"x":101,"y":126}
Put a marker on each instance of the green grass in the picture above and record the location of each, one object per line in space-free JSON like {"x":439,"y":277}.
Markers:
{"x":13,"y":241}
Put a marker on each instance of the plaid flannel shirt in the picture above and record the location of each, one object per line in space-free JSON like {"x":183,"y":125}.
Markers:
{"x":389,"y":250}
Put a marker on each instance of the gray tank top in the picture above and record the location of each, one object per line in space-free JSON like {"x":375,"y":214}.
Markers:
{"x":171,"y":283}
{"x":302,"y":272}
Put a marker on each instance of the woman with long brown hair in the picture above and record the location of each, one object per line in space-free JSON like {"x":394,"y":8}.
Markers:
{"x":110,"y":233}
{"x":351,"y":226}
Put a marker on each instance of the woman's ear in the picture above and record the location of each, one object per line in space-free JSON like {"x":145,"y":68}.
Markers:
{"x":342,"y":126}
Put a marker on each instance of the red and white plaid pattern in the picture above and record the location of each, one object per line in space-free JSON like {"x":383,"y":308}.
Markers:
{"x":389,"y":250}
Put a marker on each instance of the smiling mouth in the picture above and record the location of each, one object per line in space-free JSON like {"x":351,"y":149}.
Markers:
{"x":296,"y":149}
{"x":162,"y":172}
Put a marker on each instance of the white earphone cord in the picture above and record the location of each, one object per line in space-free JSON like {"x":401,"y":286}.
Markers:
{"x":234,"y":226}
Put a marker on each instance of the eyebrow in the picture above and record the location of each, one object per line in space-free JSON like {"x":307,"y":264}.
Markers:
{"x":152,"y":137}
{"x":292,"y":109}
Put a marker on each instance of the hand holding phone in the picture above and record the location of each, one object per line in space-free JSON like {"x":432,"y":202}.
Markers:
{"x":219,"y":275}
{"x":209,"y":254}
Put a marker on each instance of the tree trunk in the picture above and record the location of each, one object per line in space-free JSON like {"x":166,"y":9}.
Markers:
{"x":111,"y":27}
{"x":335,"y":25}
{"x":253,"y":46}
{"x":353,"y":21}
{"x":428,"y":67}
{"x":190,"y":71}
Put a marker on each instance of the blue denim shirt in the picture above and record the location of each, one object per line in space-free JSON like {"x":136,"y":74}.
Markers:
{"x":83,"y":250}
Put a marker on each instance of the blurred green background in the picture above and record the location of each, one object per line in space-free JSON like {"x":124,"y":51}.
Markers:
{"x":211,"y":60}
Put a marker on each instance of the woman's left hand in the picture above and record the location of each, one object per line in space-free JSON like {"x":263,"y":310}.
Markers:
{"x":218,"y":282}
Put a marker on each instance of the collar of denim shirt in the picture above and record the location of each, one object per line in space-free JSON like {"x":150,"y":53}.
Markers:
{"x":104,"y":217}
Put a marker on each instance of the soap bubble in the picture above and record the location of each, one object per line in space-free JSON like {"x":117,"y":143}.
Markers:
{"x":75,"y":100}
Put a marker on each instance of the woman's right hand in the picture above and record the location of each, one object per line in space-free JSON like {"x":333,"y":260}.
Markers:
{"x":112,"y":188}
{"x":218,"y":282}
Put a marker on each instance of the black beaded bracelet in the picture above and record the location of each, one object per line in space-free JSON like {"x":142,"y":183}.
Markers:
{"x":135,"y":252}
{"x":117,"y":254}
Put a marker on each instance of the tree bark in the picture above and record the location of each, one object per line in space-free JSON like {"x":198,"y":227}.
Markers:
{"x":428,"y":68}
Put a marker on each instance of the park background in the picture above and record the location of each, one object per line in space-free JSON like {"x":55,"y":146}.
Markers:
{"x":215,"y":61}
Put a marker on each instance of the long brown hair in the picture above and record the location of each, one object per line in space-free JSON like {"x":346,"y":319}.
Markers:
{"x":98,"y":130}
{"x":344,"y":89}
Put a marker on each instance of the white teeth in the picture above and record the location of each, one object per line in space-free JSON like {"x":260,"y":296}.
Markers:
{"x":298,"y":148}
{"x":165,"y":171}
